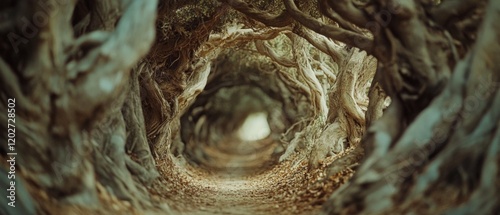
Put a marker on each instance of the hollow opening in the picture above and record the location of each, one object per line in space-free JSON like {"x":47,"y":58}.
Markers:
{"x":255,"y":127}
{"x":249,"y":107}
{"x":237,"y":124}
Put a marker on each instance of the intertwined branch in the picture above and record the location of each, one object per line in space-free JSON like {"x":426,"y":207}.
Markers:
{"x":417,"y":45}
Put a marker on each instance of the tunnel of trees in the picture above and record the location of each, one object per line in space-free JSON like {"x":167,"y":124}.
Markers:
{"x":250,"y":107}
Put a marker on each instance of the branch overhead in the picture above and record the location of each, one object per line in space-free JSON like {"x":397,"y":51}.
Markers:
{"x":335,"y":33}
{"x":280,"y":20}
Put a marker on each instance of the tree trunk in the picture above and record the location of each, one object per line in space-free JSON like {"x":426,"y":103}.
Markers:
{"x":100,"y":101}
{"x":446,"y":161}
{"x":69,"y":76}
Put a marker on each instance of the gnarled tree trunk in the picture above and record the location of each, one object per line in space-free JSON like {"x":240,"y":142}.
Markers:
{"x":100,"y":101}
{"x":69,"y":73}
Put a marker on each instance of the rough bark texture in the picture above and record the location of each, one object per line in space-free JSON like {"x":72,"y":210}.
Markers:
{"x":429,"y":160}
{"x":70,"y":87}
{"x":374,"y":107}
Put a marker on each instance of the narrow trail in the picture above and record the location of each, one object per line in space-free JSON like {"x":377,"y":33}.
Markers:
{"x":238,"y":174}
{"x":287,"y":188}
{"x":234,"y":196}
{"x":231,"y":184}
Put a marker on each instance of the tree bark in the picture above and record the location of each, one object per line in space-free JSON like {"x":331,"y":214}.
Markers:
{"x":450,"y":149}
{"x":70,"y":91}
{"x":94,"y":105}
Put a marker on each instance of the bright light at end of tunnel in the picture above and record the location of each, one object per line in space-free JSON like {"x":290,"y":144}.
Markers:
{"x":255,"y":127}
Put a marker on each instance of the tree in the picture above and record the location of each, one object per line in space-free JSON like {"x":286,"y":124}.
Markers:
{"x":433,"y":59}
{"x":411,"y":151}
{"x":68,"y":66}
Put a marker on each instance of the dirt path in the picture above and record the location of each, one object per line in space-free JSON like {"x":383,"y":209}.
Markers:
{"x":233,"y":196}
{"x":289,"y":188}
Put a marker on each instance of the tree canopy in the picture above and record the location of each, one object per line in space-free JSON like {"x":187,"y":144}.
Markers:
{"x":138,"y":107}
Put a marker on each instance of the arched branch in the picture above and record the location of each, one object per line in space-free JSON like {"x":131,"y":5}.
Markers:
{"x":105,"y":68}
{"x":265,"y":50}
{"x":347,"y":10}
{"x":335,"y":33}
{"x":449,"y":9}
{"x":327,"y":11}
{"x":280,"y":20}
{"x":322,"y":43}
{"x":447,"y":137}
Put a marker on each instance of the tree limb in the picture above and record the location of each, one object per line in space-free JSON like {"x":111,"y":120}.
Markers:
{"x":281,"y":20}
{"x":448,"y":9}
{"x":335,"y":33}
{"x":347,"y":10}
{"x":10,"y":86}
{"x":327,"y":11}
{"x":104,"y":71}
{"x":262,"y":48}
{"x":322,"y":43}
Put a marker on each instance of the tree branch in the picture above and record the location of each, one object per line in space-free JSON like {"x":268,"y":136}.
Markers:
{"x":446,"y":136}
{"x":348,"y":11}
{"x":104,"y":71}
{"x":220,"y":41}
{"x":322,"y":43}
{"x":448,"y":9}
{"x":327,"y":11}
{"x":335,"y":33}
{"x":280,"y":20}
{"x":10,"y":86}
{"x":262,"y":48}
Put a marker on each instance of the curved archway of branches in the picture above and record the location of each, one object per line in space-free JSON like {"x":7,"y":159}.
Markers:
{"x":373,"y":107}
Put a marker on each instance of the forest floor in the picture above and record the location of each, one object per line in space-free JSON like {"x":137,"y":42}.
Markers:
{"x":287,"y":188}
